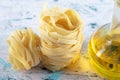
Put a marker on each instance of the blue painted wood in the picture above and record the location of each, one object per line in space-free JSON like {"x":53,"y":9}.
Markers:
{"x":19,"y":14}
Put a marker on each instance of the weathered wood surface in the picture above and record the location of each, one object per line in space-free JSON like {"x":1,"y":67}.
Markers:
{"x":19,"y":14}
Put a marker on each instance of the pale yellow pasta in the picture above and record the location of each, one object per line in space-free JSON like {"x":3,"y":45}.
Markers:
{"x":61,"y":37}
{"x":24,"y":52}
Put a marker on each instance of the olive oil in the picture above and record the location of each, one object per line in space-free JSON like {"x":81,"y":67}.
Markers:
{"x":104,"y":52}
{"x":104,"y":47}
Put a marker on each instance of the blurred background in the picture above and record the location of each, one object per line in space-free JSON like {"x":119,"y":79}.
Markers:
{"x":20,"y":14}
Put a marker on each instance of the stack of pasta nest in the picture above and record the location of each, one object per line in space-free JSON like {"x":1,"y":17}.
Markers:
{"x":59,"y":45}
{"x":61,"y":37}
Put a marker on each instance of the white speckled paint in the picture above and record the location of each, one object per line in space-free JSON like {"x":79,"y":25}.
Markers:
{"x":18,"y":14}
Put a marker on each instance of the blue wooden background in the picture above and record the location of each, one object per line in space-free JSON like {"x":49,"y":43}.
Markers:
{"x":19,"y":14}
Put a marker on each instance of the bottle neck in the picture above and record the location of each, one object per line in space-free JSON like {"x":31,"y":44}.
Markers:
{"x":116,"y":13}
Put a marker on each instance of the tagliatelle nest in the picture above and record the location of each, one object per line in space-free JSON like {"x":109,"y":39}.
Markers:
{"x":61,"y":37}
{"x":24,"y":51}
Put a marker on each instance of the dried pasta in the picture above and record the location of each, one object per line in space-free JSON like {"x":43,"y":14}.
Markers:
{"x":24,"y":51}
{"x":61,"y":37}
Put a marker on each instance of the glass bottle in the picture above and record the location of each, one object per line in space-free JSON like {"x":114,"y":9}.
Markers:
{"x":104,"y":47}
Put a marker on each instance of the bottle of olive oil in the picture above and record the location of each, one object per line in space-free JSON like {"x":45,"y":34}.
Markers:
{"x":104,"y":47}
